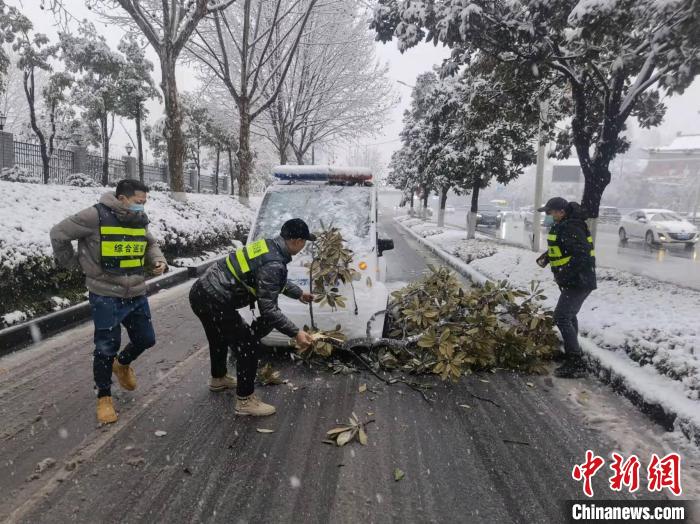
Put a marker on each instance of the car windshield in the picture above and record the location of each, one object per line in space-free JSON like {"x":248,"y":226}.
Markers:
{"x":489,"y":209}
{"x":345,"y":207}
{"x":665,"y":217}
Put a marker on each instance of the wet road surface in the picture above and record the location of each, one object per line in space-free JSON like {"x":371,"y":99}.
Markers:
{"x":505,"y":459}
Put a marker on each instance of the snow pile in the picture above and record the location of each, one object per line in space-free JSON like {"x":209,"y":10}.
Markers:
{"x":30,"y":211}
{"x":474,"y":249}
{"x":14,"y":317}
{"x":29,"y":280}
{"x":428,"y":230}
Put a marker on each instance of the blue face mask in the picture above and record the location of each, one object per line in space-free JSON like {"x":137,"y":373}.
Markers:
{"x":549,"y":220}
{"x":136,"y":208}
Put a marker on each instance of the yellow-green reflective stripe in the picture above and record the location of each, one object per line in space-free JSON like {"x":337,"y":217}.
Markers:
{"x":121,"y":249}
{"x":592,"y":252}
{"x":235,"y":275}
{"x":116,"y":230}
{"x":242,"y":261}
{"x":137,"y":262}
{"x":560,"y":262}
{"x":554,"y":251}
{"x":551,"y":237}
{"x":590,"y":239}
{"x":257,"y":248}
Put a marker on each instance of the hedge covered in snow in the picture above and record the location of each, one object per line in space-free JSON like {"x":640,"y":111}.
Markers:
{"x":29,"y":279}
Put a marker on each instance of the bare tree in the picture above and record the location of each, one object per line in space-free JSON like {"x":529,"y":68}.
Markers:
{"x":167,"y":25}
{"x":235,"y":48}
{"x":335,"y":89}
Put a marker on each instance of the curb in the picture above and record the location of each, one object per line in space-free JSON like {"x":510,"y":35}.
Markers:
{"x":667,"y":418}
{"x":21,"y":335}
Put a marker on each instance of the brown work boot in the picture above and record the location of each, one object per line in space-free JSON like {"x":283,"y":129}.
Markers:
{"x":222,"y":383}
{"x":253,"y":406}
{"x":125,"y":375}
{"x":105,"y":411}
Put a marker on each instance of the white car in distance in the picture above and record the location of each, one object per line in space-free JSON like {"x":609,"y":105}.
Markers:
{"x":657,"y":226}
{"x":329,"y":196}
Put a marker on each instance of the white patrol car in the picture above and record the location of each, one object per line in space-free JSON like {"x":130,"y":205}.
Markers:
{"x":329,"y":196}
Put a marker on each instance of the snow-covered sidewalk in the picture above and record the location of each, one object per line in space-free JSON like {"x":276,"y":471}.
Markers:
{"x":645,"y":331}
{"x":186,"y":231}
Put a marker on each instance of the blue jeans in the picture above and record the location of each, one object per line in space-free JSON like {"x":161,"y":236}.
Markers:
{"x":108,"y":315}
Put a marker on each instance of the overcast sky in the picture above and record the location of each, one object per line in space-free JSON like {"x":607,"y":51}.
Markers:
{"x":682,"y":116}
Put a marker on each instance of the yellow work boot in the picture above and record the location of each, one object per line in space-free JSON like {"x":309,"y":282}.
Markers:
{"x":125,"y":375}
{"x":222,"y":383}
{"x":105,"y":411}
{"x":253,"y":406}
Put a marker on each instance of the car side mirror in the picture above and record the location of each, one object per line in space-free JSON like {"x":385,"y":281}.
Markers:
{"x":384,"y":244}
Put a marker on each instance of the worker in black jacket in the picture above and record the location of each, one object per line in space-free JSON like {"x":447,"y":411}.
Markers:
{"x":254,"y":273}
{"x":571,"y":256}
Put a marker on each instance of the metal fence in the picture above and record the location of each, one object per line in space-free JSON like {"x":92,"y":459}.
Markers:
{"x":207,"y":183}
{"x":153,"y":173}
{"x":28,"y":157}
{"x":63,"y":162}
{"x":116,"y":169}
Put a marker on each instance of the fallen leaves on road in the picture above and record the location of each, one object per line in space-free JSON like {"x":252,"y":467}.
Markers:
{"x":346,"y":433}
{"x":264,"y":430}
{"x":465,"y":406}
{"x":267,"y":376}
{"x":362,"y":388}
{"x":160,"y":433}
{"x":398,"y":474}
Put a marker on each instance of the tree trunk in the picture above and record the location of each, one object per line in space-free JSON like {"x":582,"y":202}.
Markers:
{"x":244,"y":156}
{"x":471,"y":216}
{"x":216,"y":171}
{"x":300,"y":157}
{"x":426,"y":194}
{"x":231,"y":171}
{"x":105,"y":150}
{"x":443,"y":203}
{"x":139,"y":144}
{"x":173,"y":126}
{"x":412,"y":194}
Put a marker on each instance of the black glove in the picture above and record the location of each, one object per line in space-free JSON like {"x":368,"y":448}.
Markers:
{"x":543,"y":260}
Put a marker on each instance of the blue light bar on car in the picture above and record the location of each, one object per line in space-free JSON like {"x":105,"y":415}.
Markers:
{"x":322,"y":173}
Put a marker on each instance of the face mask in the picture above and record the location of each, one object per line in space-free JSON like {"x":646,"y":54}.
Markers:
{"x":549,"y":220}
{"x":136,"y":208}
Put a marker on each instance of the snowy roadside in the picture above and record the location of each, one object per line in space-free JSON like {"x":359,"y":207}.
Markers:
{"x":644,"y":334}
{"x":31,"y":285}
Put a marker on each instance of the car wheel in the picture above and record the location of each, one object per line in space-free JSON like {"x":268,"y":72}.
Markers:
{"x":649,"y":238}
{"x":623,"y":235}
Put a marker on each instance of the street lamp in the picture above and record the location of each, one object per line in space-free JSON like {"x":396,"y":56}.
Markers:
{"x":129,"y":149}
{"x":3,"y":119}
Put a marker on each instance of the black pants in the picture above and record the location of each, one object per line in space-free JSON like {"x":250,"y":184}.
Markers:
{"x":225,"y":328}
{"x":570,"y":302}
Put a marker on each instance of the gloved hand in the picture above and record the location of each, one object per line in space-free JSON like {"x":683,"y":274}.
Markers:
{"x":307,"y":298}
{"x":543,"y":260}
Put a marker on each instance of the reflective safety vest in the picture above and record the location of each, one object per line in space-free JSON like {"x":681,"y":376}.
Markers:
{"x":555,"y":255}
{"x":122,"y":248}
{"x":243,"y":262}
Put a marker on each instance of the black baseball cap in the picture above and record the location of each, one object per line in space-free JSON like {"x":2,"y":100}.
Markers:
{"x":296,"y":228}
{"x":554,"y":204}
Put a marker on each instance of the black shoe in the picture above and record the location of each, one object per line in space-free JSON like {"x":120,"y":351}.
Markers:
{"x":559,"y":356}
{"x":573,"y":367}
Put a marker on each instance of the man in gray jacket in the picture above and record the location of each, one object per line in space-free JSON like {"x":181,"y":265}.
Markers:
{"x":254,"y":273}
{"x":114,"y":246}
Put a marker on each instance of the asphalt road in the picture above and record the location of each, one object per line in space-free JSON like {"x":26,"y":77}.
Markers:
{"x":505,"y":459}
